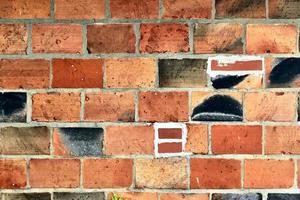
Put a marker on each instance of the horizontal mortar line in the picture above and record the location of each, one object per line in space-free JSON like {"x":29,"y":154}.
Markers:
{"x":158,"y":20}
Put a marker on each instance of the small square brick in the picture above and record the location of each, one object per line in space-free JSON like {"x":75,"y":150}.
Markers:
{"x":111,"y":38}
{"x":57,"y":38}
{"x":12,"y":174}
{"x":13,"y":107}
{"x":284,"y":9}
{"x":13,"y":38}
{"x":162,"y":38}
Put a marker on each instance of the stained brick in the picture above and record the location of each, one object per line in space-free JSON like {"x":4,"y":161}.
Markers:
{"x":29,"y":9}
{"x":197,"y":139}
{"x":13,"y":38}
{"x":107,"y":173}
{"x":182,"y":73}
{"x":163,"y":106}
{"x":57,"y":38}
{"x":180,"y":196}
{"x":284,"y":9}
{"x":276,"y":196}
{"x":240,"y":9}
{"x":111,"y":38}
{"x":135,"y":195}
{"x":79,"y":196}
{"x":134,"y":9}
{"x":161,"y":38}
{"x":12,"y":174}
{"x":33,"y":140}
{"x":80,"y":9}
{"x":269,"y":173}
{"x":130,"y":73}
{"x":161,"y":173}
{"x":120,"y":140}
{"x":271,"y":38}
{"x":236,"y":139}
{"x":189,"y":9}
{"x":77,"y":73}
{"x":26,"y":196}
{"x":246,"y":196}
{"x":54,"y":173}
{"x":215,"y":173}
{"x":13,"y":107}
{"x":24,"y":73}
{"x":56,"y":107}
{"x":270,"y":106}
{"x":109,"y":106}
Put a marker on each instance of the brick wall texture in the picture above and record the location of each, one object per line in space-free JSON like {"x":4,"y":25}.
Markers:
{"x":149,"y":99}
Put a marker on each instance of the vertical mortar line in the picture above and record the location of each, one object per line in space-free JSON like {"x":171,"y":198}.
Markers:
{"x":213,"y":11}
{"x":107,"y":9}
{"x":156,"y":73}
{"x":29,"y":39}
{"x":191,"y":36}
{"x":84,"y":39}
{"x":244,"y":38}
{"x":161,"y":8}
{"x":104,"y":85}
{"x":267,"y":9}
{"x":105,"y":195}
{"x":28,"y":107}
{"x":265,"y":195}
{"x":82,"y":102}
{"x":136,"y":105}
{"x":210,"y":196}
{"x":51,"y":142}
{"x":51,"y":195}
{"x":209,"y":139}
{"x":242,"y":173}
{"x":263,"y":140}
{"x":137,"y":28}
{"x":158,"y":196}
{"x":52,"y":8}
{"x":27,"y":172}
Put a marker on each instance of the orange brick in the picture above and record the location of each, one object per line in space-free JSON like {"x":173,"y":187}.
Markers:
{"x":57,"y":38}
{"x":129,"y":140}
{"x":179,"y":196}
{"x":161,"y":38}
{"x":270,"y":106}
{"x":282,"y":140}
{"x":236,"y":139}
{"x":27,"y":74}
{"x":267,"y":38}
{"x":197,"y":139}
{"x":134,"y":9}
{"x":135,"y":195}
{"x":218,"y":38}
{"x":107,"y":173}
{"x":80,"y":9}
{"x":109,"y":106}
{"x":12,"y":174}
{"x":240,"y":9}
{"x":163,"y":106}
{"x":161,"y":173}
{"x":130,"y":73}
{"x":269,"y":174}
{"x":56,"y":107}
{"x":13,"y":38}
{"x":29,"y":9}
{"x":111,"y":38}
{"x":54,"y":173}
{"x":215,"y":173}
{"x":77,"y":73}
{"x":195,"y":9}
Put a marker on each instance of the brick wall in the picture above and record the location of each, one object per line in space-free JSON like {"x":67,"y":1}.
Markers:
{"x":149,"y":99}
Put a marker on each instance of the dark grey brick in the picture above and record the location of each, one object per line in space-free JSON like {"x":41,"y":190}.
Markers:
{"x":78,"y":196}
{"x":26,"y":196}
{"x":279,"y":196}
{"x":13,"y":107}
{"x":249,"y":196}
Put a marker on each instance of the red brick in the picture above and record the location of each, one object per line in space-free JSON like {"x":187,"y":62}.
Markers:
{"x":170,"y":133}
{"x":161,"y":38}
{"x":238,"y":65}
{"x":270,"y":106}
{"x":56,"y":107}
{"x":269,"y":174}
{"x":130,"y":73}
{"x":107,"y":173}
{"x":284,"y":9}
{"x":240,"y":9}
{"x":29,"y":9}
{"x":13,"y":38}
{"x":215,"y":173}
{"x":57,"y":38}
{"x":134,"y":9}
{"x":111,"y":38}
{"x":54,"y":173}
{"x":282,"y":140}
{"x":236,"y":139}
{"x":77,"y":73}
{"x":195,"y":9}
{"x":180,"y":196}
{"x":109,"y":106}
{"x":134,"y":195}
{"x":170,"y":147}
{"x":161,"y":173}
{"x":120,"y":140}
{"x":12,"y":174}
{"x":218,"y":38}
{"x":163,"y":106}
{"x":197,"y":139}
{"x":27,"y":74}
{"x":80,"y":9}
{"x":270,"y":38}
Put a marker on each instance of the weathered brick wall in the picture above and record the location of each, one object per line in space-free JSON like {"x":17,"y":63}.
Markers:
{"x":89,"y":89}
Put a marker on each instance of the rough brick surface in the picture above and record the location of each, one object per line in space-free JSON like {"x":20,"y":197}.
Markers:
{"x":197,"y":139}
{"x":13,"y":38}
{"x":178,"y":196}
{"x":284,"y":9}
{"x":168,"y":38}
{"x":135,"y":195}
{"x":12,"y":173}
